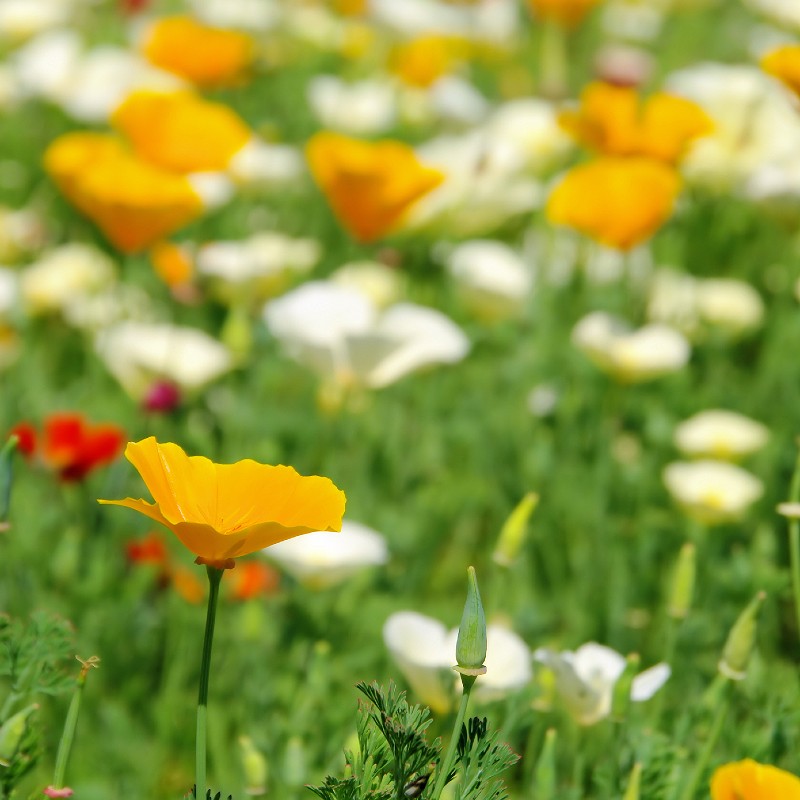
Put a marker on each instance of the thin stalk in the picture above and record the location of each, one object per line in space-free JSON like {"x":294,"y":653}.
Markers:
{"x":467,"y":681}
{"x":794,"y":540}
{"x":711,"y":741}
{"x":554,"y":67}
{"x":214,"y":578}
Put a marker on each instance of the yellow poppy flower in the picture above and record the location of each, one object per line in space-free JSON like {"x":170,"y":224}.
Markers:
{"x":204,"y":55}
{"x":619,"y":202}
{"x":421,"y":62}
{"x":131,"y":201}
{"x":172,"y":263}
{"x":369,"y":185}
{"x":350,"y":8}
{"x":749,"y":780}
{"x":613,"y":121}
{"x":784,"y":64}
{"x":222,"y":511}
{"x":562,"y":12}
{"x":180,"y":131}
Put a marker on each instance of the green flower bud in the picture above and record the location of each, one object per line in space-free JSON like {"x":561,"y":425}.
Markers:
{"x":512,"y":534}
{"x":6,"y":479}
{"x":741,"y":640}
{"x":471,"y":643}
{"x":544,"y":777}
{"x":295,"y":767}
{"x":682,"y":591}
{"x":255,"y":767}
{"x":11,"y":733}
{"x":634,"y":783}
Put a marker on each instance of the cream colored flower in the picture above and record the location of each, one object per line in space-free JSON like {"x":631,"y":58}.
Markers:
{"x":140,"y":354}
{"x":585,"y":679}
{"x":340,"y":334}
{"x":9,"y":291}
{"x":64,"y":275}
{"x":323,"y":559}
{"x":492,"y":279}
{"x":267,"y":165}
{"x":712,"y":491}
{"x":360,"y":109}
{"x":720,"y":434}
{"x":21,"y":231}
{"x":784,"y":12}
{"x":382,"y":284}
{"x":425,"y":653}
{"x":23,"y":19}
{"x":730,"y":305}
{"x":630,"y":355}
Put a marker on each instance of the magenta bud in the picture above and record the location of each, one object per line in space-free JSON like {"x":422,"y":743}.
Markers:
{"x":162,"y":397}
{"x":51,"y":791}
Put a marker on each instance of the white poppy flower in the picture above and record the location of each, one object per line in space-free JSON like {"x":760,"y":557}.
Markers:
{"x":64,"y":274}
{"x":731,"y":305}
{"x":361,"y":109}
{"x":630,"y":355}
{"x":266,"y":164}
{"x":755,"y":123}
{"x":720,"y":434}
{"x":492,"y":279}
{"x":9,"y":290}
{"x":785,"y":12}
{"x":21,"y":231}
{"x":338,"y":332}
{"x":323,"y":559}
{"x":382,"y":284}
{"x":425,"y":652}
{"x":585,"y":679}
{"x":250,"y":15}
{"x":22,"y":19}
{"x":712,"y":491}
{"x":140,"y":354}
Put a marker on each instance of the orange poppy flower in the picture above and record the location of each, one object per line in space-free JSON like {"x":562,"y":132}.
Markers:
{"x":134,"y":203}
{"x":254,"y":579}
{"x":180,"y":131}
{"x":421,"y":62}
{"x":749,"y":780}
{"x":562,"y":12}
{"x":70,"y":445}
{"x":187,"y":585}
{"x":784,"y":64}
{"x":150,"y":549}
{"x":614,"y":121}
{"x":204,"y":55}
{"x":172,"y":263}
{"x":369,"y":185}
{"x":222,"y":511}
{"x":619,"y":202}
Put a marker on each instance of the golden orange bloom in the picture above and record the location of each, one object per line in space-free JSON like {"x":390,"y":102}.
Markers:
{"x":784,"y":64}
{"x":369,"y":185}
{"x":562,"y":12}
{"x":613,"y":121}
{"x":619,"y":202}
{"x":204,"y":55}
{"x":180,"y":131}
{"x":171,"y":263}
{"x":350,"y":8}
{"x":222,"y":511}
{"x":187,"y":585}
{"x":421,"y":62}
{"x":749,"y":780}
{"x":254,"y":579}
{"x":131,"y":201}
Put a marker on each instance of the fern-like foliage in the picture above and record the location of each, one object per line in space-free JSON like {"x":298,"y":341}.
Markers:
{"x":209,"y":796}
{"x":481,"y":760}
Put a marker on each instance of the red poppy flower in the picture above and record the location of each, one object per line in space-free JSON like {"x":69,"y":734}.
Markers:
{"x":70,"y":445}
{"x":253,"y":579}
{"x":150,"y":549}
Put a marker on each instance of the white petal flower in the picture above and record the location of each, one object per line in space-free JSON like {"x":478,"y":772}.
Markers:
{"x":64,"y":274}
{"x":425,"y":653}
{"x":22,"y":19}
{"x":9,"y":290}
{"x":585,"y":679}
{"x":493,"y":280}
{"x":382,"y":284}
{"x":712,"y":491}
{"x":139,"y":354}
{"x":272,"y":166}
{"x":630,"y":355}
{"x":785,"y":12}
{"x":729,"y":304}
{"x":720,"y":434}
{"x":250,"y":15}
{"x":323,"y":559}
{"x":361,"y":108}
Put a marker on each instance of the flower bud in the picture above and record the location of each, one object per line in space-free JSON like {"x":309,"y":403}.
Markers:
{"x":255,"y":767}
{"x":682,"y":590}
{"x":6,"y":479}
{"x":634,"y":783}
{"x":11,"y":733}
{"x":471,"y":642}
{"x":741,"y":640}
{"x":512,"y":534}
{"x":295,"y":767}
{"x":544,"y":778}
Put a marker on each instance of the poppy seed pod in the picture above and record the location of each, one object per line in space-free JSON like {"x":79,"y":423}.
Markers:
{"x":471,"y":643}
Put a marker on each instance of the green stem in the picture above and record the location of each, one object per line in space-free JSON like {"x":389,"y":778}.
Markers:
{"x":553,"y":62}
{"x":214,"y":578}
{"x":711,"y":741}
{"x":467,"y":681}
{"x":794,"y":540}
{"x":70,"y":726}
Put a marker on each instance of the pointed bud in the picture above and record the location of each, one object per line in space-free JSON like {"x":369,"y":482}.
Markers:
{"x":544,"y":778}
{"x":621,"y":698}
{"x":682,"y":590}
{"x":741,"y":640}
{"x":255,"y":767}
{"x":11,"y":733}
{"x":237,"y":333}
{"x":6,"y":479}
{"x":295,"y":768}
{"x":512,"y":534}
{"x":471,"y":642}
{"x":634,"y":783}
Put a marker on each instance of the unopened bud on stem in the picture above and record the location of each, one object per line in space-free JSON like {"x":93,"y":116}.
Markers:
{"x":741,"y":640}
{"x":682,"y":591}
{"x":471,"y":642}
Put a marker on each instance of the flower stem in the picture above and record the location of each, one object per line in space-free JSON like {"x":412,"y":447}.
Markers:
{"x":214,"y":578}
{"x":794,"y":540}
{"x":467,"y":681}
